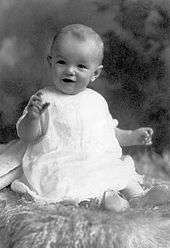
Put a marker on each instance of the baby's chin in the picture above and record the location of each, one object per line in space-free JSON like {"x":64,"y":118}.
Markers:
{"x":69,"y":91}
{"x":73,"y":92}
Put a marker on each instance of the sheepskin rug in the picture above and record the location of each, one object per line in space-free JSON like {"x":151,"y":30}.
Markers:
{"x":26,"y":224}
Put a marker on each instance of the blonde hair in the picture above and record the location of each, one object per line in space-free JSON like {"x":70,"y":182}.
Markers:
{"x":83,"y":33}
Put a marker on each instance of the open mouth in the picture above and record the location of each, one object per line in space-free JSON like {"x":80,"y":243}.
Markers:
{"x":68,"y":80}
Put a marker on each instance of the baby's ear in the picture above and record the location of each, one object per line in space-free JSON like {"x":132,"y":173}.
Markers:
{"x":97,"y":72}
{"x":49,"y":58}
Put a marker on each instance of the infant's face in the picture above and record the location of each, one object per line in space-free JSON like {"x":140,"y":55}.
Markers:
{"x":73,"y":64}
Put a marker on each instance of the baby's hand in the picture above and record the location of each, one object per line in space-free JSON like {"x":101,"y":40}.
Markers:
{"x":36,"y":107}
{"x":143,"y":136}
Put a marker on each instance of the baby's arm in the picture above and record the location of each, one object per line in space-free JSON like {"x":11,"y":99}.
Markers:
{"x":35,"y":122}
{"x":124,"y":137}
{"x":140,"y":136}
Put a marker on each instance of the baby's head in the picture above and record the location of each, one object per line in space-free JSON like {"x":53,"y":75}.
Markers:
{"x":75,"y":58}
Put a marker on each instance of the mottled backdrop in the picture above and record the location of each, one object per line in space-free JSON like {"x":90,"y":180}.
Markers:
{"x":135,"y":80}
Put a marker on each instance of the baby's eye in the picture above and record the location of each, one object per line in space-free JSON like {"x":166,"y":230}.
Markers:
{"x":61,"y":62}
{"x":81,"y":66}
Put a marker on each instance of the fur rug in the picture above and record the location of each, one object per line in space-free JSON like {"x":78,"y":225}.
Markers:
{"x":26,"y":224}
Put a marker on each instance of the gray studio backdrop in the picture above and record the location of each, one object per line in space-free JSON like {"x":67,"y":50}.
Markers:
{"x":135,"y":80}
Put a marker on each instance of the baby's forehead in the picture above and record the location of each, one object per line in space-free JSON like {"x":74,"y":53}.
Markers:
{"x":91,"y":40}
{"x":71,"y":37}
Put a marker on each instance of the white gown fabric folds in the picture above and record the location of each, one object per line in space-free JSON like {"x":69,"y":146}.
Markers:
{"x":79,"y":157}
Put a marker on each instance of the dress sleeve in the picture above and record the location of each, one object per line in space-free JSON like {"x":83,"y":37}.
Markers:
{"x":113,"y":122}
{"x":21,"y":117}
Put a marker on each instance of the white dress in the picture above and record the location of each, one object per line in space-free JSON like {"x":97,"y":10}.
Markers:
{"x":79,"y":157}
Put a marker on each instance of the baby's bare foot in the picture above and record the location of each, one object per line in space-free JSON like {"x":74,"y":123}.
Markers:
{"x":157,"y":195}
{"x":114,"y":202}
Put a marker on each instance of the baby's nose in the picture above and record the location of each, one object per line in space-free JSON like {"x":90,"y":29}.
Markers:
{"x":70,"y":70}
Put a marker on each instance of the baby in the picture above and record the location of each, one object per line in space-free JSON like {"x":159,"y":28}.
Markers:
{"x":73,"y":144}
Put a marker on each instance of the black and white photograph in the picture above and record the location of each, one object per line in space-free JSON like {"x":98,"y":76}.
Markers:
{"x":84,"y":123}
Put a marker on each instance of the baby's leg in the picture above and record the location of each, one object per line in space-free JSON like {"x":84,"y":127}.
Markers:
{"x":156,"y":195}
{"x":132,"y":190}
{"x":8,"y":178}
{"x":114,"y":202}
